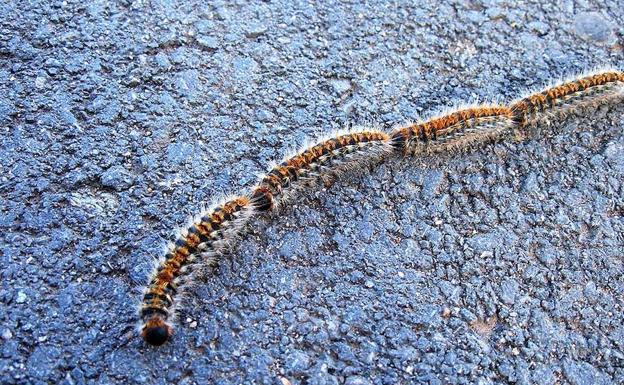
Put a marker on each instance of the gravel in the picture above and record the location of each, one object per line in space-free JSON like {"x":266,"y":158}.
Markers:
{"x":502,"y":263}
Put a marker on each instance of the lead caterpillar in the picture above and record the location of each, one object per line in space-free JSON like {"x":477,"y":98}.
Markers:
{"x":206,"y":237}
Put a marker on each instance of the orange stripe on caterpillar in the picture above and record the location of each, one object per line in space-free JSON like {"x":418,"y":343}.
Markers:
{"x":326,"y":156}
{"x":459,"y":124}
{"x":205,"y":237}
{"x":584,"y":90}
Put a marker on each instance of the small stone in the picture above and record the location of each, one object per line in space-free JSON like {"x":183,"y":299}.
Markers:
{"x":509,"y":291}
{"x":163,"y":61}
{"x":432,"y":184}
{"x":540,"y":27}
{"x":614,"y":150}
{"x":590,"y":290}
{"x":614,"y":153}
{"x":40,"y":81}
{"x":133,"y":81}
{"x":21,"y":297}
{"x":117,"y":177}
{"x":255,"y":30}
{"x":530,"y":183}
{"x":583,"y":373}
{"x":68,"y":118}
{"x":341,"y":85}
{"x":291,"y":246}
{"x":244,"y":67}
{"x":468,"y":315}
{"x":264,"y":115}
{"x":298,"y":362}
{"x":356,"y":276}
{"x":357,"y":380}
{"x":179,"y":152}
{"x":476,"y":17}
{"x":208,"y":42}
{"x":593,"y":26}
{"x":6,"y":334}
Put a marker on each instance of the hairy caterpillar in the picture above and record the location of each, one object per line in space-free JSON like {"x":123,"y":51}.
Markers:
{"x":206,"y":237}
{"x":481,"y":121}
{"x":327,"y":156}
{"x":209,"y":233}
{"x":593,"y":88}
{"x":198,"y":245}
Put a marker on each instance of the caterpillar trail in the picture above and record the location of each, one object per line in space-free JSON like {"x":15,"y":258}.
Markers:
{"x":209,"y":234}
{"x":198,"y":245}
{"x":595,"y":88}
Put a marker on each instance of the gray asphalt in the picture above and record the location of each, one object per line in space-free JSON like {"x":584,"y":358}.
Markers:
{"x":499,"y":264}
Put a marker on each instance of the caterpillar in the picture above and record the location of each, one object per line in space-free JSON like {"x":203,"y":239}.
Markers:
{"x":197,"y":246}
{"x":327,"y":156}
{"x":209,"y":234}
{"x":593,"y":88}
{"x":202,"y":242}
{"x":474,"y":122}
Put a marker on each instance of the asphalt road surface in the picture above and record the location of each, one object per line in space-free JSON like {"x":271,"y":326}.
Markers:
{"x":502,"y":263}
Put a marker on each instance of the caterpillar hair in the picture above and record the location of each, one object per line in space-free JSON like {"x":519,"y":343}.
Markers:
{"x":327,"y":156}
{"x":589,"y":89}
{"x":198,"y":245}
{"x":464,"y":124}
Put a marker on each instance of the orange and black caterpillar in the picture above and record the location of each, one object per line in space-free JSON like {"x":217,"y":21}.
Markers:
{"x":594,"y":88}
{"x":206,"y":237}
{"x":326,"y":157}
{"x":199,"y":245}
{"x":470,"y":123}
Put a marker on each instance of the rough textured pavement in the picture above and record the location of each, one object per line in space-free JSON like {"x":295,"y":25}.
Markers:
{"x":502,"y":264}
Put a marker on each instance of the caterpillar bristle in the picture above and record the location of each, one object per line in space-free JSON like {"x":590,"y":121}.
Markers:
{"x":201,"y":243}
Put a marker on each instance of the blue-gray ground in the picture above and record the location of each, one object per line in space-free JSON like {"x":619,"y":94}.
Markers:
{"x":503,"y":264}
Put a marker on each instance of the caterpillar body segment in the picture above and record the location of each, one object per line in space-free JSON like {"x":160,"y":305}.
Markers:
{"x":594,"y":88}
{"x":327,"y":157}
{"x":196,"y":246}
{"x":459,"y":125}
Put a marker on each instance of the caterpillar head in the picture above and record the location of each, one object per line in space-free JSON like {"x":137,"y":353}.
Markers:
{"x":156,"y":331}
